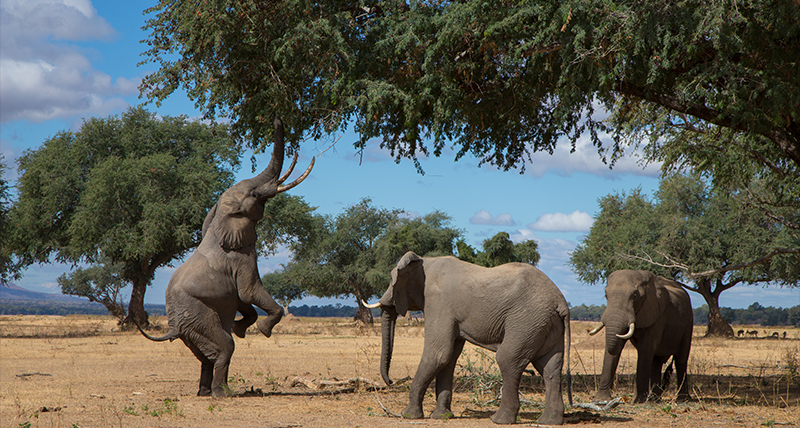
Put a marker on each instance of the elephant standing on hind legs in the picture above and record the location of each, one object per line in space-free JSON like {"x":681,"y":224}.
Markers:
{"x":221,"y":277}
{"x":655,"y":314}
{"x":513,"y":309}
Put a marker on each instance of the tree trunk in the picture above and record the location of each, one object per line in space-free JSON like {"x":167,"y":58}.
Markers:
{"x":136,"y":310}
{"x":363,"y":314}
{"x":717,"y":326}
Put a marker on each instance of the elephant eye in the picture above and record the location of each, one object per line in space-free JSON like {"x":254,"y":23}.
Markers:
{"x":636,"y":295}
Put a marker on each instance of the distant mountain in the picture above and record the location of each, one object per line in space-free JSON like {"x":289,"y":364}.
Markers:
{"x":14,"y":292}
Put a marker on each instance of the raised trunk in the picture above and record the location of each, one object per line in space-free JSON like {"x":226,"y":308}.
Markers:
{"x":388,"y":323}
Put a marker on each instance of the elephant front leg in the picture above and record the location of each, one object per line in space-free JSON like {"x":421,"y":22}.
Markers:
{"x":249,"y":317}
{"x":436,"y":354}
{"x":253,"y":293}
{"x":444,"y":385}
{"x":644,"y":365}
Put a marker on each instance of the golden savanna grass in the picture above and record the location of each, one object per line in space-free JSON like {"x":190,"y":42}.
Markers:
{"x":80,"y":371}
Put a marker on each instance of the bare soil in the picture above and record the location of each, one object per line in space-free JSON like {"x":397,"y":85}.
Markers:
{"x":81,"y":371}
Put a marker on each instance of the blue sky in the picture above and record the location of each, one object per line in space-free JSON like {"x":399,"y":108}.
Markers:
{"x":65,"y":60}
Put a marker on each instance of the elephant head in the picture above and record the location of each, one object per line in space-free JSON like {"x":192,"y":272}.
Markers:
{"x":634,"y":300}
{"x":234,"y":217}
{"x":406,"y":292}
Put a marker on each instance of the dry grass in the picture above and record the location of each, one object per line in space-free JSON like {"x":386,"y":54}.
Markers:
{"x":80,"y":371}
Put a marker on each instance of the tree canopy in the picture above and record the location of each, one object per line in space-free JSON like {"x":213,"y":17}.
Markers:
{"x":132,"y":189}
{"x":496,"y":79}
{"x":499,"y":250}
{"x":8,"y":270}
{"x":101,"y":282}
{"x":281,"y":287}
{"x":355,"y":251}
{"x":691,"y":233}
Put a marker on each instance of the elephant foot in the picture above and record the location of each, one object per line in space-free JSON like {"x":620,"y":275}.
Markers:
{"x":551,"y":418}
{"x":204,"y":392}
{"x":265,"y":325}
{"x":683,"y":397}
{"x":239,"y":329}
{"x":219,"y":392}
{"x":602,"y":395}
{"x":640,"y":398}
{"x":442,"y":414}
{"x":412,"y":413}
{"x":504,"y":417}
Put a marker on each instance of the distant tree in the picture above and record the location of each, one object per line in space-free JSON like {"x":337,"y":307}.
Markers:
{"x":342,"y":261}
{"x":428,"y":236}
{"x":133,"y":188}
{"x":282,"y":289}
{"x":693,"y":234}
{"x":101,"y":283}
{"x":8,"y":270}
{"x":288,"y":221}
{"x":499,"y":250}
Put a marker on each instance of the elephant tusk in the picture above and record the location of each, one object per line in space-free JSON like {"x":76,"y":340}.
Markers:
{"x":289,"y":171}
{"x":629,"y":333}
{"x":372,"y":306}
{"x":596,"y":330}
{"x":299,"y":179}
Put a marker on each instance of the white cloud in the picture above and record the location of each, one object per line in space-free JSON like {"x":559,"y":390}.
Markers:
{"x":484,"y":217}
{"x":585,"y":159}
{"x":577,"y":221}
{"x":43,"y":74}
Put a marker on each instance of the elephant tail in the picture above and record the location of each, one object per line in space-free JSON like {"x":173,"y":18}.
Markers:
{"x":171,"y":334}
{"x":568,"y":337}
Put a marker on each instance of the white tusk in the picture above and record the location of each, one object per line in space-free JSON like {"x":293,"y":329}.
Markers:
{"x":629,"y":333}
{"x":299,"y":179}
{"x":372,"y":306}
{"x":597,"y":330}
{"x":291,"y":168}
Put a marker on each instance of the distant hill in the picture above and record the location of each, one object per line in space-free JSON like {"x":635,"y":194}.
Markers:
{"x":15,"y":300}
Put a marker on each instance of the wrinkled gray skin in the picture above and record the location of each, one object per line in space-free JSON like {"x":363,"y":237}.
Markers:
{"x":513,"y":309}
{"x":221,"y":277}
{"x":661,"y":313}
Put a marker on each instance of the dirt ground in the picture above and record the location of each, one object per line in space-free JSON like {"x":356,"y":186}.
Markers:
{"x":80,"y":371}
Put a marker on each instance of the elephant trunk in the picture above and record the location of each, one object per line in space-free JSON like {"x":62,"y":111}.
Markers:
{"x":617,"y":333}
{"x":273,"y":170}
{"x":388,"y":323}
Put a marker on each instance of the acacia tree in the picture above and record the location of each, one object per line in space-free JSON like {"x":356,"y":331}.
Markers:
{"x":7,"y":268}
{"x":496,"y":79}
{"x":131,"y":189}
{"x":101,"y":283}
{"x":281,"y":287}
{"x":692,"y":234}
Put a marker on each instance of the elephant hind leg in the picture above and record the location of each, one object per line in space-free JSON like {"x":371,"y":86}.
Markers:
{"x":550,"y":366}
{"x":512,"y":358}
{"x":206,"y":369}
{"x":444,"y":384}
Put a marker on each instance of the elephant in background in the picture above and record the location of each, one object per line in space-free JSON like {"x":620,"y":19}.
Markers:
{"x":655,"y":314}
{"x":221,"y":277}
{"x":513,"y":309}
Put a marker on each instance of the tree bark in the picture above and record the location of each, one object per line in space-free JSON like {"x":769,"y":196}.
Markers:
{"x":363,"y":314}
{"x":717,"y":326}
{"x":136,"y":310}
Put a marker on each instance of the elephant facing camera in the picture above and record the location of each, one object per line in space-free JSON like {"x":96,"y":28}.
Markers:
{"x":655,"y":315}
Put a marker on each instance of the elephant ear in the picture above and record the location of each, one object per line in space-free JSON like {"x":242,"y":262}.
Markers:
{"x":655,"y":301}
{"x":233,"y":227}
{"x":403,"y":284}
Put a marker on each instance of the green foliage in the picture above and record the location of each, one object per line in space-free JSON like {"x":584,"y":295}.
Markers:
{"x":101,"y":282}
{"x":134,"y":189}
{"x":290,"y":221}
{"x":7,"y":269}
{"x":496,"y":79}
{"x":499,"y":250}
{"x":281,"y":287}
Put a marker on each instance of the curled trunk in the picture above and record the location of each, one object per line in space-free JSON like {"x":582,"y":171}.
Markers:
{"x":388,"y":322}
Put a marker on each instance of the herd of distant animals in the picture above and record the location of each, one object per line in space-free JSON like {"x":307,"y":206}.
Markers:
{"x":754,"y":333}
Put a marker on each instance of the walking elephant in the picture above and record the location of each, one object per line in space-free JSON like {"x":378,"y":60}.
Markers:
{"x":221,"y":276}
{"x":513,"y":309}
{"x":655,"y":314}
